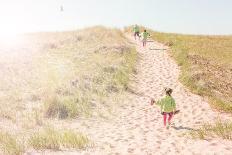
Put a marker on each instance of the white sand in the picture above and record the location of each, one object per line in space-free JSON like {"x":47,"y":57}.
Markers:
{"x":139,"y":130}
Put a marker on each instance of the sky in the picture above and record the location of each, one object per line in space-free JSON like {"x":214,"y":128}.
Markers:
{"x":178,"y":16}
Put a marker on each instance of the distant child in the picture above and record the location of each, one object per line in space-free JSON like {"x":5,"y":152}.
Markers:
{"x":168,"y":107}
{"x":145,"y":35}
{"x":136,"y":31}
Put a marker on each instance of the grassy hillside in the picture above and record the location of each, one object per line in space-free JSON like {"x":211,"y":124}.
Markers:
{"x":62,"y":75}
{"x":206,"y":64}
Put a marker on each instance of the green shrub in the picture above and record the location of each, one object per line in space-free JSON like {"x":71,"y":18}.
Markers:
{"x":55,"y":108}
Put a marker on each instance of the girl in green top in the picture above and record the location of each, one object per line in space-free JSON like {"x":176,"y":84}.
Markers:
{"x":136,"y":31}
{"x":145,"y":35}
{"x":168,"y":106}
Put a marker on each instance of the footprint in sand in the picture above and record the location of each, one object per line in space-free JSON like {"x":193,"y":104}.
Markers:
{"x":130,"y":150}
{"x":131,"y":137}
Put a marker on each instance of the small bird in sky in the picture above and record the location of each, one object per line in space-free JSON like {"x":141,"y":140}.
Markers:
{"x":61,"y":8}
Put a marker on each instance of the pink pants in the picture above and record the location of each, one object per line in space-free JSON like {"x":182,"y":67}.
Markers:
{"x":144,"y":43}
{"x":169,"y":117}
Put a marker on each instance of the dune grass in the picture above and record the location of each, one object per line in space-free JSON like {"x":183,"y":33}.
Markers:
{"x":205,"y":64}
{"x":94,"y":75}
{"x":67,"y":74}
{"x":105,"y":76}
{"x":46,"y":138}
{"x":50,"y":138}
{"x":218,"y":129}
{"x":63,"y":75}
{"x":10,"y":145}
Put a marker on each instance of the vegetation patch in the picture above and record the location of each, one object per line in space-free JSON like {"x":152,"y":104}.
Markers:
{"x":62,"y":75}
{"x":93,"y":77}
{"x":218,"y":129}
{"x":53,"y":139}
{"x":10,"y":145}
{"x":66,"y":74}
{"x":47,"y":138}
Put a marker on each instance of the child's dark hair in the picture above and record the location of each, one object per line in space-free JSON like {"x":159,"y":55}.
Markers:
{"x":168,"y":91}
{"x":145,"y":30}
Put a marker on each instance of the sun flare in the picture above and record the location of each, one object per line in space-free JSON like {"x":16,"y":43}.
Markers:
{"x":13,"y":24}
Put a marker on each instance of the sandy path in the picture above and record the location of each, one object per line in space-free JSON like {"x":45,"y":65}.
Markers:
{"x":139,"y":130}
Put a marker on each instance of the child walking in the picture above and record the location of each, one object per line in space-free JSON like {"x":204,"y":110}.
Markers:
{"x":145,"y":35}
{"x":168,"y":107}
{"x":136,"y":31}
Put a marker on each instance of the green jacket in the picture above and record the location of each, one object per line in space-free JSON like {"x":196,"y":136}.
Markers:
{"x":136,"y":28}
{"x":167,"y":104}
{"x":145,"y":35}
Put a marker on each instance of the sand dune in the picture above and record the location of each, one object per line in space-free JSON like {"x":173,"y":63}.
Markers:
{"x":138,"y":128}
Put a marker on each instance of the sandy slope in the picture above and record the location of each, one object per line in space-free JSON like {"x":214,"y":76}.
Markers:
{"x":139,"y":130}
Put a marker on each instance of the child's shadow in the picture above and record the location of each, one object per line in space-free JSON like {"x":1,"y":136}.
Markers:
{"x":183,"y":128}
